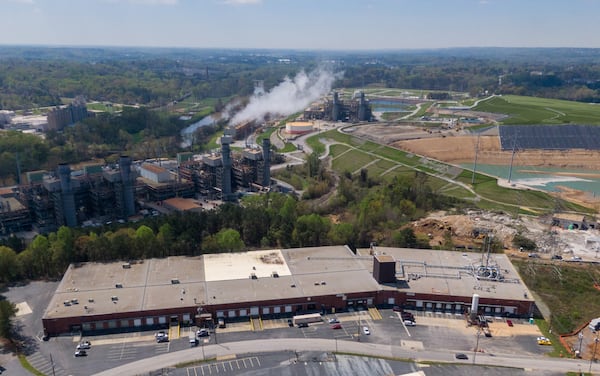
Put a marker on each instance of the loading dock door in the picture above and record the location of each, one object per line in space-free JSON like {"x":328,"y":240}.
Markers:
{"x":253,"y":311}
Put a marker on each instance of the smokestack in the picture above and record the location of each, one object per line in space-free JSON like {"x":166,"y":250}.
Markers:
{"x":226,"y":140}
{"x":335,"y":109}
{"x":362,"y":107}
{"x":67,"y":196}
{"x":127,"y":181}
{"x":266,"y":151}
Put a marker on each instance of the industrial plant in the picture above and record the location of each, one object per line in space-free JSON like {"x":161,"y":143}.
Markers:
{"x":96,"y":194}
{"x":335,"y":109}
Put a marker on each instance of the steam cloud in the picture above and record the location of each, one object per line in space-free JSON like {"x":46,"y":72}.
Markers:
{"x":292,"y":95}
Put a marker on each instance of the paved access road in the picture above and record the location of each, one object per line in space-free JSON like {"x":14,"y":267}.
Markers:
{"x":225,"y":350}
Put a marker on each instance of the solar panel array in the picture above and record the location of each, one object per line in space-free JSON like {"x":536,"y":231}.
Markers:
{"x":553,"y":137}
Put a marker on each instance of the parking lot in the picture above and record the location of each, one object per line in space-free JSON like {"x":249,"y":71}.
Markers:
{"x":432,"y":330}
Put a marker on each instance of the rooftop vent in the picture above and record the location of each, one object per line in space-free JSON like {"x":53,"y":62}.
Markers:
{"x":275,"y":275}
{"x":114,"y":298}
{"x":323,"y":283}
{"x":74,"y":301}
{"x":292,"y":285}
{"x":126,"y":265}
{"x":253,"y":276}
{"x":119,"y":285}
{"x":90,"y":300}
{"x":174,"y":281}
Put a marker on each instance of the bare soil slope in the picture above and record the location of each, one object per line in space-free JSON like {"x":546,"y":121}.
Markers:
{"x":461,"y":149}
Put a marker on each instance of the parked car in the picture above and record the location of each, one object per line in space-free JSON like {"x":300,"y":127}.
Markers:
{"x":84,"y":346}
{"x":334,"y":321}
{"x":409,"y":323}
{"x":509,"y":322}
{"x":397,"y":308}
{"x":202,"y":333}
{"x":544,"y":341}
{"x":303,"y":325}
{"x":336,"y":326}
{"x":366,"y":331}
{"x":556,"y":257}
{"x":290,"y":323}
{"x":79,"y":353}
{"x":161,"y":336}
{"x":461,"y":356}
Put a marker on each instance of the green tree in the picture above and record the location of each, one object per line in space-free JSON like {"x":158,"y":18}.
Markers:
{"x":405,"y":238}
{"x":230,"y":240}
{"x":145,"y":242}
{"x":9,"y":266}
{"x":62,"y":248}
{"x":311,"y":230}
{"x":165,"y":238}
{"x":7,"y":312}
{"x":342,"y":234}
{"x":41,"y":256}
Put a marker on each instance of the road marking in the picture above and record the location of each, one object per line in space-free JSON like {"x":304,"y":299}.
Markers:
{"x":402,"y":322}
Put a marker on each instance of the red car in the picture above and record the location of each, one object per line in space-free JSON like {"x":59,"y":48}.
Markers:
{"x":336,"y":326}
{"x":509,"y":322}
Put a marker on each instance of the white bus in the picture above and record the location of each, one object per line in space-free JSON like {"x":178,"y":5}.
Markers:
{"x":307,"y":319}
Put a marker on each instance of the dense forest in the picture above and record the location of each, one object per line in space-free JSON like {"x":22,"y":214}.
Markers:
{"x":37,"y":77}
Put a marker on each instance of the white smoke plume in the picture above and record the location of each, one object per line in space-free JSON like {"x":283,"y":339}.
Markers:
{"x":292,"y":95}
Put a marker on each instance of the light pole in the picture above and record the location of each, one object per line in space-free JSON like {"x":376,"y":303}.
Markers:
{"x":593,"y":358}
{"x":476,"y":344}
{"x":580,"y":336}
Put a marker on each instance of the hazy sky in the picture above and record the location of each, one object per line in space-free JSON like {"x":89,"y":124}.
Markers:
{"x":302,"y":24}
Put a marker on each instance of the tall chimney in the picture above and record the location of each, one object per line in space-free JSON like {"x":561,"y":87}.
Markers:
{"x":127,"y":181}
{"x":266,"y":152}
{"x":67,"y":196}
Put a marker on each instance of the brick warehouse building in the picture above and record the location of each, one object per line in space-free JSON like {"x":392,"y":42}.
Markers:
{"x":158,"y":292}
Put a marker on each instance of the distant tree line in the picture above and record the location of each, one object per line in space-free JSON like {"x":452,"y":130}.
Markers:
{"x":154,"y":78}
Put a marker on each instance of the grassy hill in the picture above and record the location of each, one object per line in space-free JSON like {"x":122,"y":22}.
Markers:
{"x":532,"y":110}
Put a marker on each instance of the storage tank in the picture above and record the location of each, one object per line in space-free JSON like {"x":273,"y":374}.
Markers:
{"x":474,"y":305}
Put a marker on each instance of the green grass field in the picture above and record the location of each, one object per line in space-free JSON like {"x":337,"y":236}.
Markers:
{"x":531,"y":110}
{"x":352,"y":154}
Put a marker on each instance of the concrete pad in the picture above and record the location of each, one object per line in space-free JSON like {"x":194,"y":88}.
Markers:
{"x":22,"y":309}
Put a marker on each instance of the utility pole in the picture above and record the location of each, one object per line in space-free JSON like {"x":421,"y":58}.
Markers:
{"x":475,"y":162}
{"x":476,"y":344}
{"x":54,"y":374}
{"x":593,"y":358}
